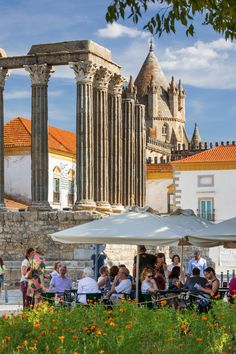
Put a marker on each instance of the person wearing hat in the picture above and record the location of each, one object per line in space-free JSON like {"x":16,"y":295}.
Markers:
{"x":197,"y":262}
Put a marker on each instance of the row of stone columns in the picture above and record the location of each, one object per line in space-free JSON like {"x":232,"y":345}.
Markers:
{"x":110,"y":143}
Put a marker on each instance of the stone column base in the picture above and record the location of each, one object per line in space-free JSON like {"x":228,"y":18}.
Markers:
{"x":84,"y":205}
{"x":117,"y":208}
{"x":103,"y":206}
{"x":40,"y":206}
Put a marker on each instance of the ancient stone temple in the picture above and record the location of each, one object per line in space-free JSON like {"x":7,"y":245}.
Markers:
{"x":110,"y":130}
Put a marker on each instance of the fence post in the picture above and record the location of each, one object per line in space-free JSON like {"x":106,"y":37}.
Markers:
{"x":6,"y":293}
{"x":221,"y":278}
{"x":227,"y":277}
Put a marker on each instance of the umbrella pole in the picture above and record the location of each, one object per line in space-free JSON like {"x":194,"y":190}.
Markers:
{"x":96,"y":261}
{"x":137,"y":274}
{"x":182,"y":257}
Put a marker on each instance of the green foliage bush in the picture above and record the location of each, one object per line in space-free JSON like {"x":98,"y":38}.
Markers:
{"x":127,"y":329}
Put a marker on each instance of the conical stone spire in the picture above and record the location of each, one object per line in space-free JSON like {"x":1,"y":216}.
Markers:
{"x":151,"y":68}
{"x":196,"y":138}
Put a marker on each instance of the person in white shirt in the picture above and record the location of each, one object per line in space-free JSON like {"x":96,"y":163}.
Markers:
{"x":121,"y":284}
{"x":197,"y":262}
{"x":148,"y":281}
{"x":87,"y":285}
{"x":55,"y":272}
{"x":24,"y":280}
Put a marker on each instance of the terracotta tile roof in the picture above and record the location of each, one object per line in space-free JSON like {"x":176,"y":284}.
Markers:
{"x":17,"y":133}
{"x":219,"y":154}
{"x":12,"y":204}
{"x":164,"y":167}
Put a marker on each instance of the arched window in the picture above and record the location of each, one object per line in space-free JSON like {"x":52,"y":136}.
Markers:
{"x":56,"y":184}
{"x":71,"y":186}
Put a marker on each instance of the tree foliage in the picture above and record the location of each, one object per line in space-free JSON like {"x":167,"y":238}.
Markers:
{"x":219,"y":14}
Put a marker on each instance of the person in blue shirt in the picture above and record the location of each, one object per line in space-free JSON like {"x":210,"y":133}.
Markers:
{"x":100,"y":261}
{"x":197,"y":262}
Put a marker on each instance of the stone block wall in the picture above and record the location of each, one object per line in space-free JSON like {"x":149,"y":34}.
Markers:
{"x":20,"y":230}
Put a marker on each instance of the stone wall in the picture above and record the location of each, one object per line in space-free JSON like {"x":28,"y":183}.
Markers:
{"x":20,"y":230}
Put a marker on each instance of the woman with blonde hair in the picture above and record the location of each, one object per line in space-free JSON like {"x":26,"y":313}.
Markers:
{"x":148,"y":281}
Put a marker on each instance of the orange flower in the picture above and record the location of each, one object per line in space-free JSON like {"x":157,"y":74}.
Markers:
{"x":7,"y":338}
{"x":129,"y":326}
{"x":61,"y":338}
{"x":32,"y":348}
{"x":75,"y":337}
{"x":76,"y":352}
{"x":183,"y":326}
{"x":112,"y":324}
{"x":44,"y":333}
{"x":25,"y":342}
{"x":199,"y":340}
{"x":19,"y":347}
{"x":204,"y":318}
{"x":163,"y":302}
{"x":101,"y":352}
{"x":55,"y":328}
{"x":36,"y":325}
{"x":35,"y":341}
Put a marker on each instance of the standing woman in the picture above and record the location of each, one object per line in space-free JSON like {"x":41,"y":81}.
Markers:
{"x":24,"y":280}
{"x":2,"y":271}
{"x":36,"y":283}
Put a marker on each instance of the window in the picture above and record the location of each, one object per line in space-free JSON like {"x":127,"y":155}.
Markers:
{"x":206,"y":181}
{"x":56,"y":184}
{"x":165,"y":131}
{"x":206,"y":210}
{"x":71,"y":187}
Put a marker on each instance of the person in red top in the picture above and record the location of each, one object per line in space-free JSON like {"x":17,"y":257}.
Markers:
{"x":232,"y":287}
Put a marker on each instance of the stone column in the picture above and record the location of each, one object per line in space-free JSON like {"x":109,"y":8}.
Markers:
{"x":3,"y":74}
{"x":101,"y":82}
{"x":140,"y":155}
{"x":115,"y":142}
{"x":84,"y":74}
{"x":128,"y":122}
{"x":39,"y":75}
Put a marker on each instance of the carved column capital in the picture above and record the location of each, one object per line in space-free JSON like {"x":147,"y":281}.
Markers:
{"x":84,"y":71}
{"x":116,"y":84}
{"x":3,"y":74}
{"x":39,"y":74}
{"x":102,"y":78}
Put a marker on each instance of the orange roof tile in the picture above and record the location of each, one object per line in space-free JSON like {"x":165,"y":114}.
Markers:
{"x":225,"y":153}
{"x":164,"y":167}
{"x":17,"y":133}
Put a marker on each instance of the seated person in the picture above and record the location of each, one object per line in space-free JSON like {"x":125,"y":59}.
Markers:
{"x":61,"y":282}
{"x":124,"y":286}
{"x":173,"y":279}
{"x":232,"y":287}
{"x":124,"y":266}
{"x":195,"y":279}
{"x":56,"y":269}
{"x":87,"y":285}
{"x":148,"y":281}
{"x":103,"y":279}
{"x":212,"y":286}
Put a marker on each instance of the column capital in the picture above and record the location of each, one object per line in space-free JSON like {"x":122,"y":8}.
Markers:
{"x":84,"y":71}
{"x":102,"y":78}
{"x":3,"y":74}
{"x":39,"y":73}
{"x":116,"y":84}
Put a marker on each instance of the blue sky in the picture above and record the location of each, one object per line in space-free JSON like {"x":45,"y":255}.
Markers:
{"x":205,"y":63}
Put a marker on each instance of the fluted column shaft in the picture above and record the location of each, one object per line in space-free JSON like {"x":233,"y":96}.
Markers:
{"x":3,"y":74}
{"x":140,"y":155}
{"x":128,"y":122}
{"x":84,"y":74}
{"x":39,"y":75}
{"x":115,"y":142}
{"x":101,"y":191}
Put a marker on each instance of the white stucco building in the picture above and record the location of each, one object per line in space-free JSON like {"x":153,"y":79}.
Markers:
{"x":205,"y":182}
{"x":61,"y":163}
